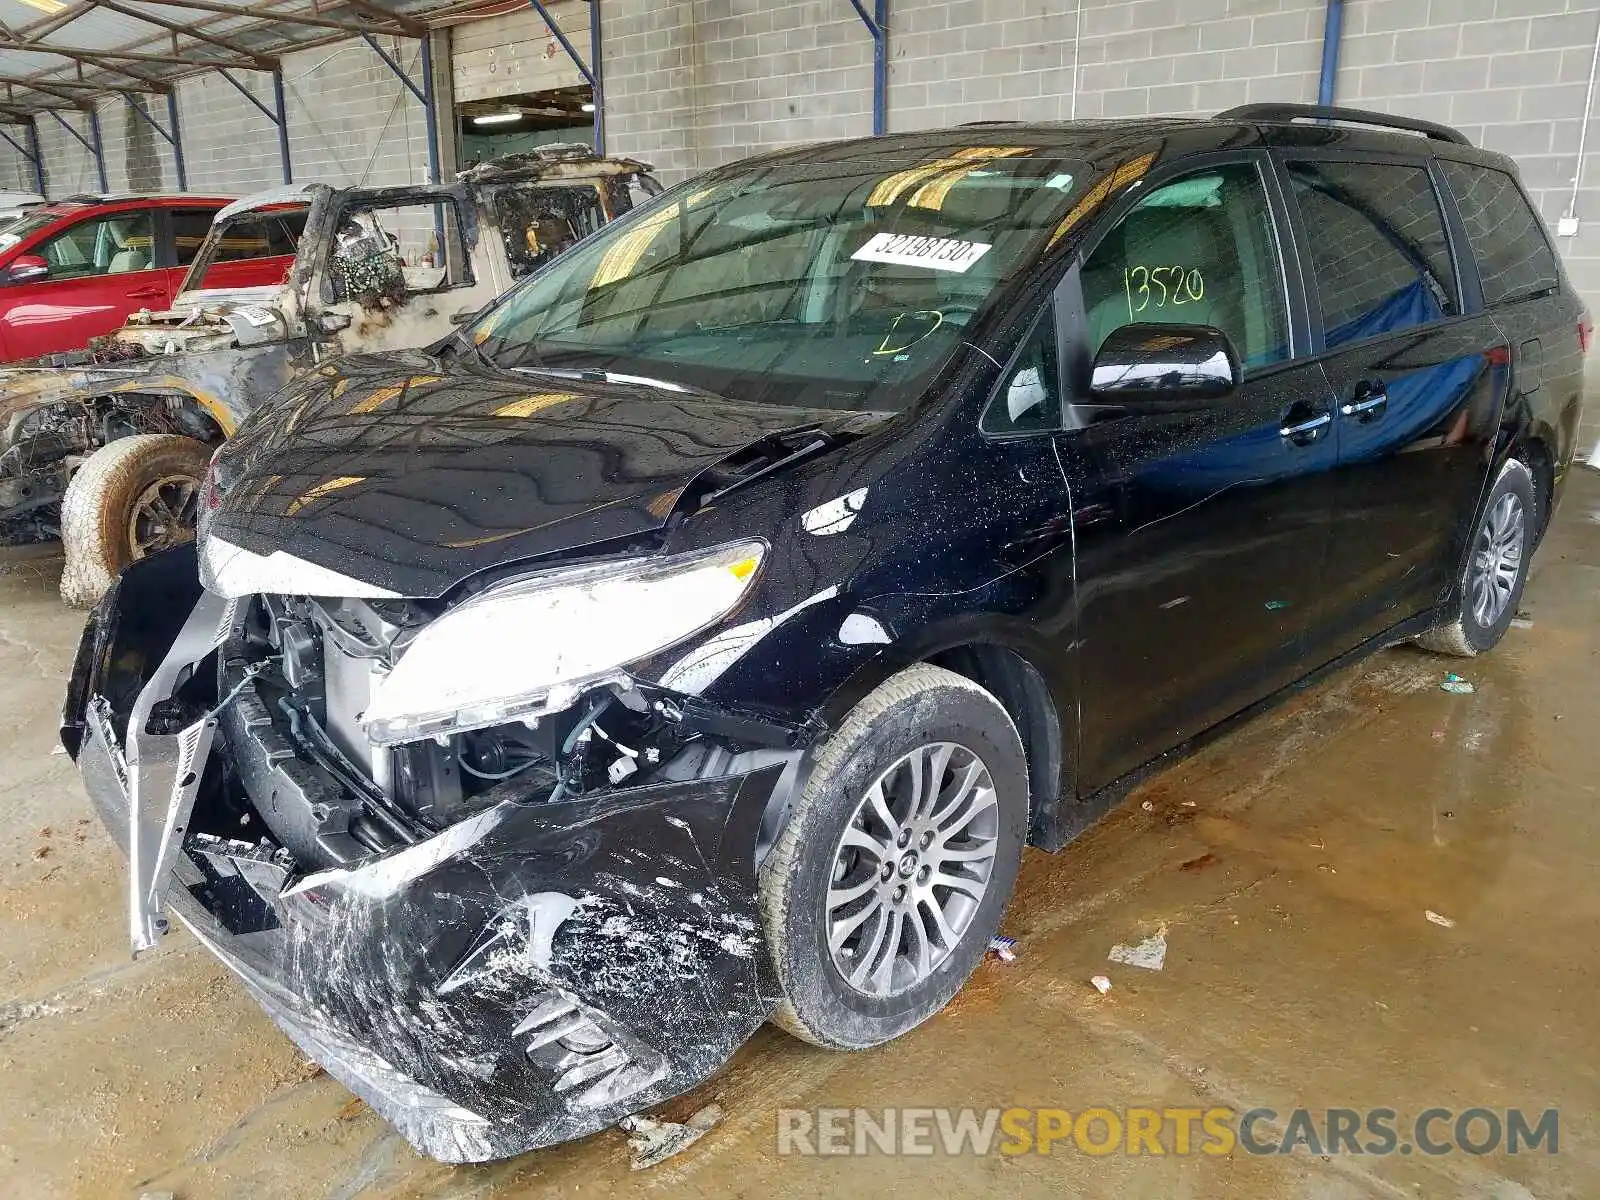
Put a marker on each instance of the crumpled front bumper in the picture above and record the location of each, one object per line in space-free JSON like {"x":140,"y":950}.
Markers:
{"x":527,"y":976}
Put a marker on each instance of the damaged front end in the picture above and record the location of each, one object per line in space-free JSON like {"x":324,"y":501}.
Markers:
{"x":503,"y":928}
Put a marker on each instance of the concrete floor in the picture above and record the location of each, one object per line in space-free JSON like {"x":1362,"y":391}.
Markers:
{"x":1291,"y":865}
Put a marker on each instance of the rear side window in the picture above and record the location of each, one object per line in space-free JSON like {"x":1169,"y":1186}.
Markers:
{"x":1514,"y":256}
{"x":1379,"y":254}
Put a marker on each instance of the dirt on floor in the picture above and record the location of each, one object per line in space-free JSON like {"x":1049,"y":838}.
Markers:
{"x":1292,"y":869}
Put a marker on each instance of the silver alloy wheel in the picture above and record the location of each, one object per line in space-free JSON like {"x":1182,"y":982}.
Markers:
{"x":163,"y":516}
{"x":1497,"y":559}
{"x":911,"y":868}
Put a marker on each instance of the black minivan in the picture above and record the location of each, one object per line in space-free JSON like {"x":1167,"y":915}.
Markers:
{"x":697,"y":636}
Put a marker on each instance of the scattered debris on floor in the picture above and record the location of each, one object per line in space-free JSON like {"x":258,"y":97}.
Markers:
{"x":1329,"y":868}
{"x":1148,"y":806}
{"x":1456,"y":685}
{"x":1439,"y":918}
{"x":1523,"y":620}
{"x":1004,"y":948}
{"x":55,"y":750}
{"x":1205,"y":860}
{"x":156,"y":1196}
{"x":350,"y":1109}
{"x":1101,"y":984}
{"x":310,"y":1070}
{"x":1275,"y":605}
{"x":1188,"y":804}
{"x":656,"y":1141}
{"x":1149,"y":954}
{"x":41,"y":852}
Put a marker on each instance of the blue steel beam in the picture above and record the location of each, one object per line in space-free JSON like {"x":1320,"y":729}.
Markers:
{"x":591,"y":71}
{"x":399,"y":71}
{"x":877,"y":23}
{"x":277,"y":115}
{"x":177,"y":140}
{"x":91,"y":144}
{"x":430,"y":116}
{"x":283,"y":125}
{"x":1332,"y":33}
{"x":29,"y":152}
{"x":37,"y":156}
{"x":172,"y":136}
{"x":99,"y":148}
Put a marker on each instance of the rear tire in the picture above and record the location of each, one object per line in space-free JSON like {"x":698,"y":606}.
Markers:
{"x":881,"y":894}
{"x":1496,"y":569}
{"x":134,"y":496}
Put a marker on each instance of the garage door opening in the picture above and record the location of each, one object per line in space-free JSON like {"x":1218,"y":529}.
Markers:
{"x":515,"y":124}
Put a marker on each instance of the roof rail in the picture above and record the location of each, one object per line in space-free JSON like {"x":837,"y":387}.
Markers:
{"x":1356,"y":116}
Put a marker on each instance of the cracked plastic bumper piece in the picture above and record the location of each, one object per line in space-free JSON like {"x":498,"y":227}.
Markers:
{"x":526,"y":976}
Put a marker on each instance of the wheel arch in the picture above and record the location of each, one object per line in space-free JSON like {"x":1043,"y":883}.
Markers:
{"x":1012,"y":663}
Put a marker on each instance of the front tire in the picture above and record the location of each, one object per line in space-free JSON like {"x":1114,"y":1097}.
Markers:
{"x":1496,"y":570}
{"x":133,"y":497}
{"x":881,"y":894}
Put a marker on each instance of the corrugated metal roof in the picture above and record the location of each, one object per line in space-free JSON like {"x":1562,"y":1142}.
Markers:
{"x":83,"y":48}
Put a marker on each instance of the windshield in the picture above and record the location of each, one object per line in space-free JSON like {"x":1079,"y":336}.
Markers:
{"x":25,"y":225}
{"x":827,"y":284}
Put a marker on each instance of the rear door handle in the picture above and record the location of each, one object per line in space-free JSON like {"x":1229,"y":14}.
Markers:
{"x":146,"y":293}
{"x":1307,"y":428}
{"x":1367,"y":404}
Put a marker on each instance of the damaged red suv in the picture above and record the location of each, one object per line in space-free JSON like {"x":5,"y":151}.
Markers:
{"x":696,"y":637}
{"x":77,"y":269}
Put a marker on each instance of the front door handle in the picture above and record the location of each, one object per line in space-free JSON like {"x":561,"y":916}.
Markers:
{"x":146,"y":293}
{"x":1367,"y":404}
{"x":1307,"y":429}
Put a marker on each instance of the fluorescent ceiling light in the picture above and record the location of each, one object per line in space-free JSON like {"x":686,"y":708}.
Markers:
{"x":588,"y":108}
{"x":49,"y":6}
{"x":499,"y":118}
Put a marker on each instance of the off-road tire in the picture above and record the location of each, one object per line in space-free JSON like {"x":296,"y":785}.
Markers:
{"x":100,"y":499}
{"x":1456,"y":630}
{"x":920,"y":705}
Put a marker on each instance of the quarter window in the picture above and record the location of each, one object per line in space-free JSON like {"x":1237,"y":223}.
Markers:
{"x":1030,"y":399}
{"x":1198,"y":251}
{"x":1379,"y":254}
{"x":1514,"y":256}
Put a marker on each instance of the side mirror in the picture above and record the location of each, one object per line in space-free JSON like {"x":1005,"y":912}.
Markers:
{"x":1164,"y":363}
{"x":25,"y":267}
{"x":465,"y":315}
{"x":333,"y":322}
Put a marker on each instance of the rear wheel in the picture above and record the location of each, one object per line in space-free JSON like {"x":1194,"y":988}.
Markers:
{"x":1496,"y":570}
{"x":883,"y":891}
{"x":134,"y":497}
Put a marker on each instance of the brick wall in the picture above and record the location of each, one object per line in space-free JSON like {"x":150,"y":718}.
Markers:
{"x":695,"y":83}
{"x":698,"y":82}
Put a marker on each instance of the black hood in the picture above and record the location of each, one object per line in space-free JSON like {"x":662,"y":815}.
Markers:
{"x":412,"y":474}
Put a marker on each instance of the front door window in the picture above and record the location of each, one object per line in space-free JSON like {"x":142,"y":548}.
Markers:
{"x":112,"y":245}
{"x":1197,"y":251}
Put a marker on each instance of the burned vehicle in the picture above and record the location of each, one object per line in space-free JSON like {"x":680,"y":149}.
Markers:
{"x":106,"y":450}
{"x":696,"y":637}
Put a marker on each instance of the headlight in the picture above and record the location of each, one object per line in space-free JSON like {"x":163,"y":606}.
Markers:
{"x":532,"y":645}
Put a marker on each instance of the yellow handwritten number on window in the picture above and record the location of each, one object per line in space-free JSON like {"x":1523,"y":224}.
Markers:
{"x":1161,"y":287}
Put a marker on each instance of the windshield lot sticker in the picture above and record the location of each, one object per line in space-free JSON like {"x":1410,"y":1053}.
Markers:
{"x":910,"y":250}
